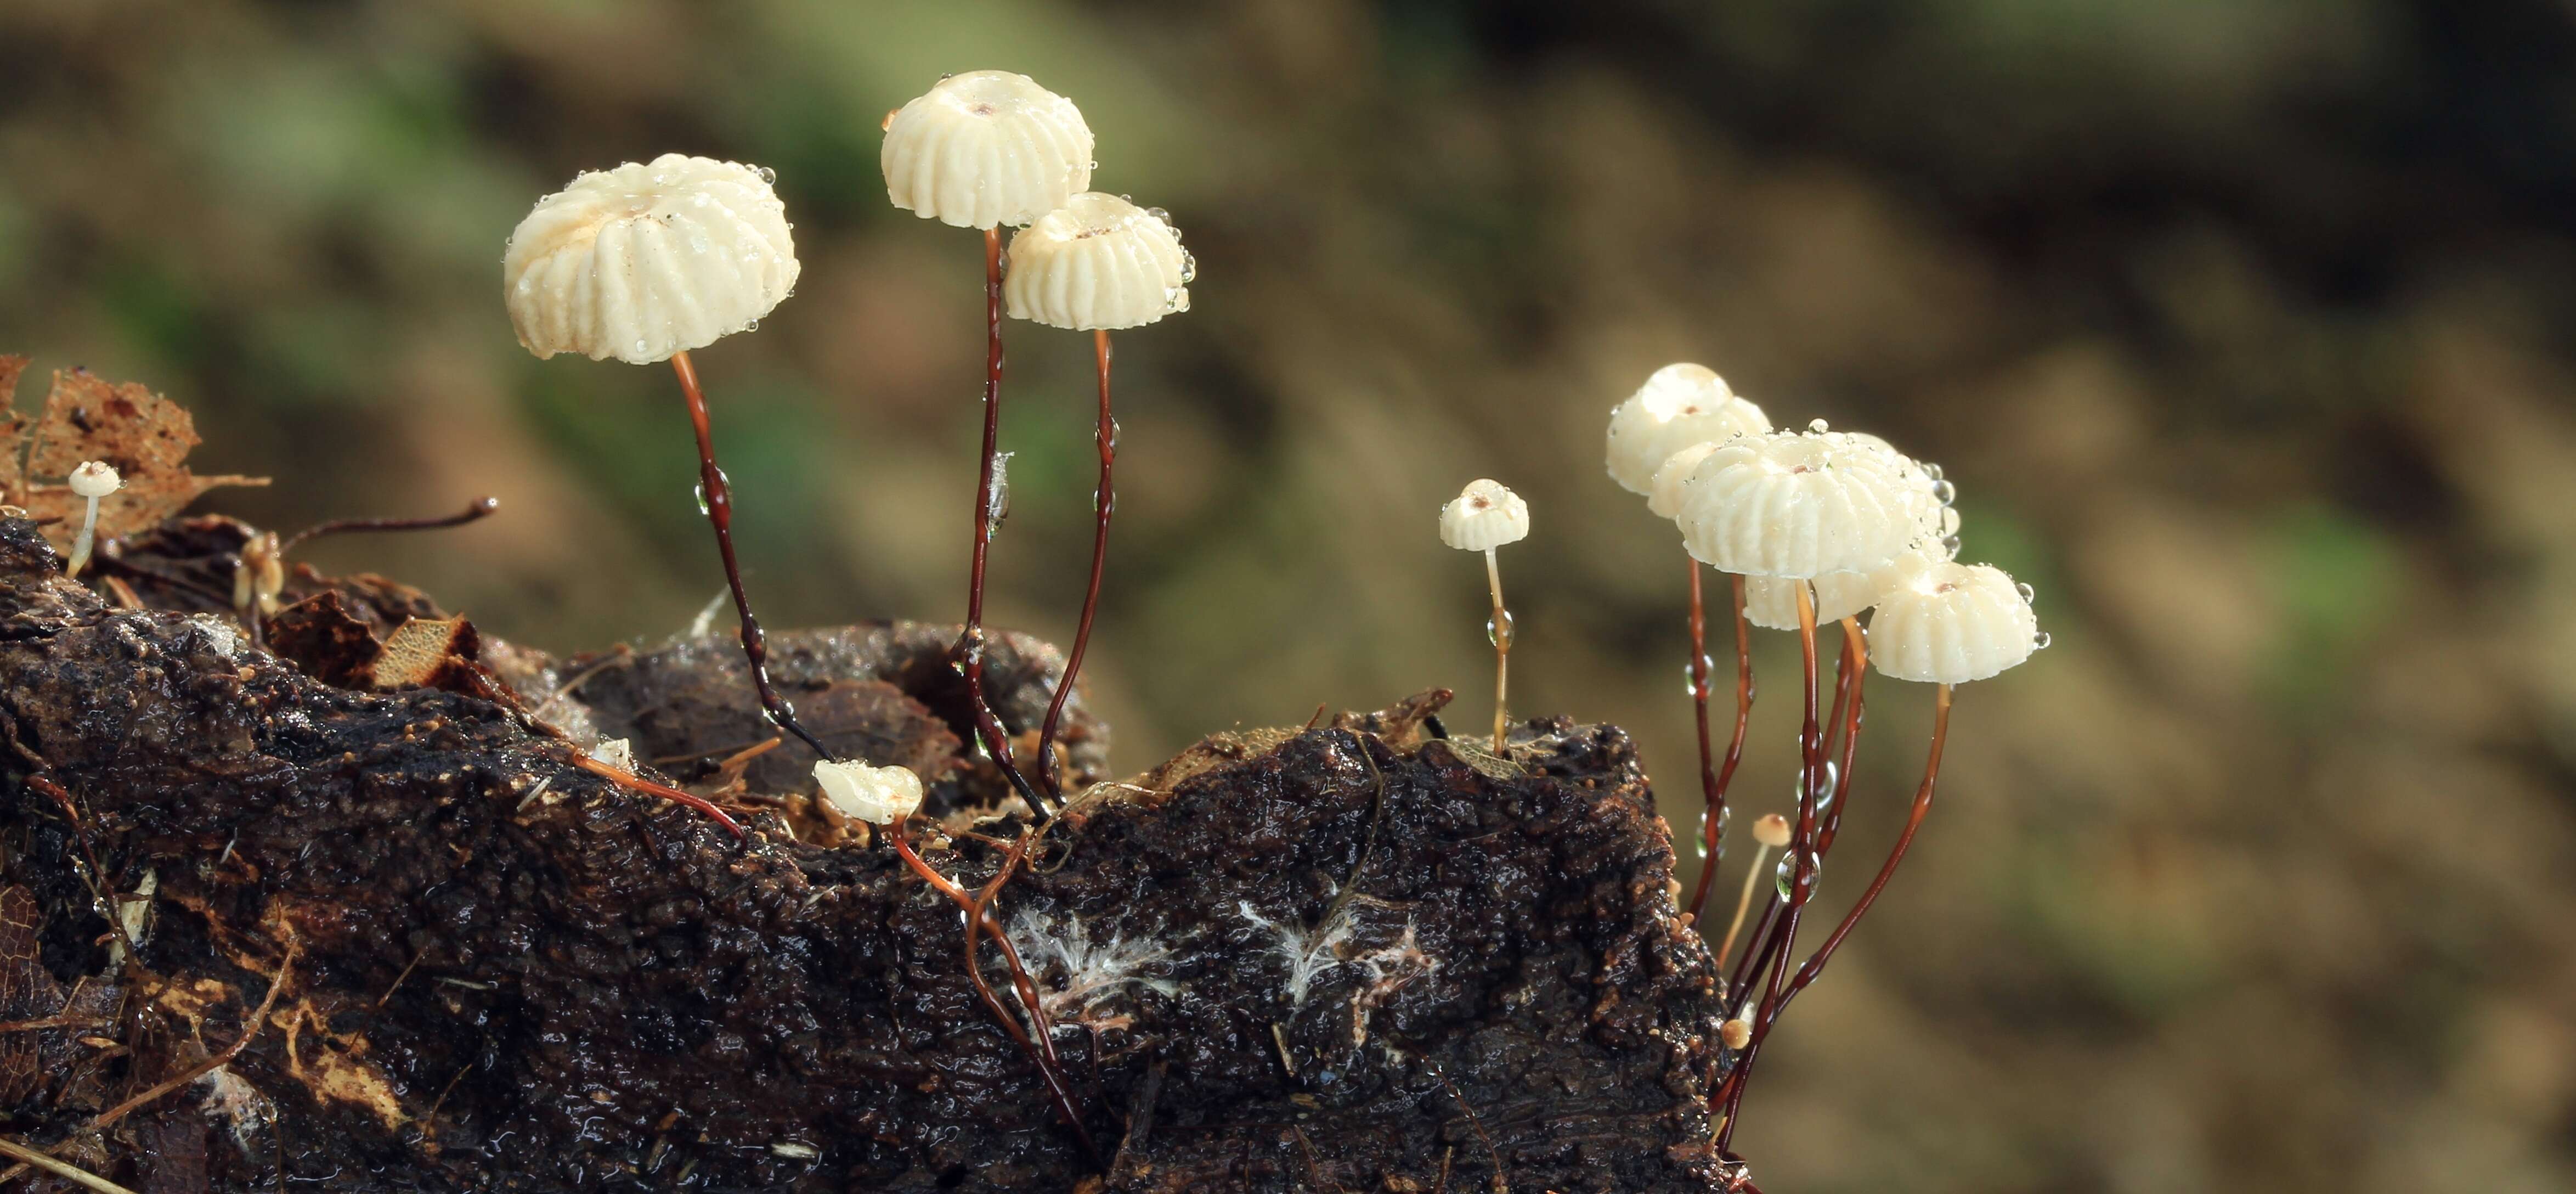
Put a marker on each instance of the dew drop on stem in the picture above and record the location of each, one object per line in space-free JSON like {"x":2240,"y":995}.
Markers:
{"x":1498,"y":629}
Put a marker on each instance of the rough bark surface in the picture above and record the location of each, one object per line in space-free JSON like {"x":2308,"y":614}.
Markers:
{"x":1356,"y":956}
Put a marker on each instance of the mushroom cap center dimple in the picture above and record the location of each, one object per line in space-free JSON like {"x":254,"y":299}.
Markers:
{"x":982,"y":110}
{"x":1480,"y":502}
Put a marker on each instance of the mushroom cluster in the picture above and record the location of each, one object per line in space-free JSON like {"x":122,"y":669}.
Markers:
{"x":1813,"y":527}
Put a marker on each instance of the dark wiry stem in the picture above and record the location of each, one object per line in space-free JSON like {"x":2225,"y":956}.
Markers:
{"x":717,"y":497}
{"x":1802,"y":853}
{"x":970,"y":645}
{"x":1713,"y":787}
{"x":476,"y":511}
{"x":1847,"y":704}
{"x":1103,"y":501}
{"x":1913,"y":821}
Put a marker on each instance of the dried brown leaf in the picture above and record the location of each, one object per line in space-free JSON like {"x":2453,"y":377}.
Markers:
{"x":145,"y":436}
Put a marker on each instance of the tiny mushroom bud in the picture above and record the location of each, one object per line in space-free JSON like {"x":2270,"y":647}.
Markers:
{"x":616,"y":752}
{"x":1485,"y":515}
{"x":1680,"y":405}
{"x":1098,"y":263}
{"x":876,"y":795}
{"x":1796,"y":505}
{"x":1950,"y":623}
{"x":649,"y":260}
{"x":1737,"y":1033}
{"x":985,"y":148}
{"x":1772,"y":830}
{"x":93,"y":480}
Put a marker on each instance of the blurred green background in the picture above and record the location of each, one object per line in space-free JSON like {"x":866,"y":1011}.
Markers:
{"x":2244,"y":326}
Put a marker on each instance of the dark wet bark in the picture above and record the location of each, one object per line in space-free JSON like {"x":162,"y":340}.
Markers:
{"x":1354,"y":956}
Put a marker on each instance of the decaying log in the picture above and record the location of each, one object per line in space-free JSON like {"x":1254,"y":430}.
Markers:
{"x":1357,"y":956}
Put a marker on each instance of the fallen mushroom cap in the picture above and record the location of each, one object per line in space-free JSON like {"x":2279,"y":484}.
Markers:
{"x":1484,"y":515}
{"x":1950,"y":623}
{"x":877,"y":795}
{"x":648,"y":260}
{"x":1795,"y":505}
{"x":1772,"y":603}
{"x":1099,"y":261}
{"x":1680,"y":405}
{"x":95,"y":479}
{"x":984,"y":149}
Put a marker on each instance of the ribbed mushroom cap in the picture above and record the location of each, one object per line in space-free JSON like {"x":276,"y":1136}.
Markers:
{"x":984,"y":149}
{"x":1098,"y":262}
{"x":1664,"y":489}
{"x":1679,"y":405}
{"x":1936,"y":519}
{"x":1772,"y":603}
{"x":95,"y":479}
{"x":1483,"y":516}
{"x":1949,"y":623}
{"x":648,"y":260}
{"x":1795,"y":505}
{"x":876,"y":795}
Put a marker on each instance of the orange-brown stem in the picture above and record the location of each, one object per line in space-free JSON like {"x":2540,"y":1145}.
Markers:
{"x":629,"y":779}
{"x":1104,"y":500}
{"x":1041,"y":1051}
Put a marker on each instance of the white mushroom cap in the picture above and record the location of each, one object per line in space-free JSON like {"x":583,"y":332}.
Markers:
{"x":95,"y":479}
{"x":984,"y":149}
{"x":648,"y":260}
{"x":1949,"y":623}
{"x":1664,"y":491}
{"x":1483,"y":516}
{"x":1679,"y":406}
{"x":1099,"y":262}
{"x":1771,"y":830}
{"x":876,"y":795}
{"x":1771,"y":603}
{"x":1937,"y":521}
{"x":1795,"y":505}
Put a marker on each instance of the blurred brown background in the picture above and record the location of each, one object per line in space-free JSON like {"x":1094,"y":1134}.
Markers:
{"x":2242,"y":324}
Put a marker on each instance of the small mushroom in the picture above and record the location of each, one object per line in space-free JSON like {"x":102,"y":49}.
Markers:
{"x":1097,"y":264}
{"x":93,"y":480}
{"x":985,"y":148}
{"x":1796,"y":505}
{"x":876,"y":795}
{"x":1680,"y":405}
{"x":1771,"y":832}
{"x":643,"y":263}
{"x":980,"y":150}
{"x":1950,"y":623}
{"x":1484,"y":516}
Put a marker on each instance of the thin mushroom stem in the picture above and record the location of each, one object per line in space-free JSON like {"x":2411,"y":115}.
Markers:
{"x":475,"y":511}
{"x":1714,"y":791}
{"x":81,"y":546}
{"x":1499,"y":629}
{"x":1887,"y":870}
{"x":1040,"y":1050}
{"x":1802,"y":849}
{"x":715,"y":496}
{"x":1104,"y":500}
{"x":1744,"y":901}
{"x":971,"y":642}
{"x":1855,"y":665}
{"x":628,"y":779}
